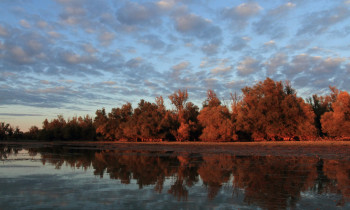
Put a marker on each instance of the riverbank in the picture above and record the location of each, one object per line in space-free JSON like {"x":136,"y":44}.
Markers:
{"x":321,"y":149}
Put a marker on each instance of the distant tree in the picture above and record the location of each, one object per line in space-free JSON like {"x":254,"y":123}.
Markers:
{"x":88,"y":130}
{"x":215,"y":120}
{"x":336,"y":123}
{"x":77,"y":128}
{"x":145,"y":122}
{"x":186,"y":113}
{"x":5,"y":130}
{"x":270,"y":110}
{"x":320,"y":105}
{"x":178,"y":99}
{"x":33,"y":133}
{"x":17,"y":134}
{"x":100,"y":123}
{"x":116,"y":122}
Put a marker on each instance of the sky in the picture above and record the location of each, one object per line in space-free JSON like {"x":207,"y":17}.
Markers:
{"x":72,"y":57}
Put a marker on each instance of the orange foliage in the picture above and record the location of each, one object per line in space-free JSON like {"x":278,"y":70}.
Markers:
{"x":216,"y":120}
{"x":272,"y":111}
{"x":336,"y":123}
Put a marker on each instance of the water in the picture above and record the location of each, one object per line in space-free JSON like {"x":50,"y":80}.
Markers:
{"x":76,"y":178}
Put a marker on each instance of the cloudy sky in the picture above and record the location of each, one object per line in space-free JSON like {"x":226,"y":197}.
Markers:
{"x":72,"y":57}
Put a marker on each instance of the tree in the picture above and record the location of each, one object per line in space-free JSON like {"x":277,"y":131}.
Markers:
{"x":117,"y":118}
{"x":33,"y":133}
{"x":178,"y":99}
{"x":145,"y":122}
{"x":271,"y":110}
{"x":5,"y":130}
{"x":212,"y":100}
{"x":320,"y":105}
{"x":215,"y":120}
{"x":186,"y":126}
{"x":100,"y":123}
{"x":336,"y":123}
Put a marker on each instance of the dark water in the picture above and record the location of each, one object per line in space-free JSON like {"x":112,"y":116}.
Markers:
{"x":75,"y":178}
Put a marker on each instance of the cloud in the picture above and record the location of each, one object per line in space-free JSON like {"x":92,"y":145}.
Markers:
{"x":239,"y":43}
{"x":166,"y":4}
{"x":320,"y":21}
{"x":20,"y":115}
{"x":94,"y":50}
{"x":211,"y":48}
{"x":134,"y":62}
{"x":3,"y":31}
{"x":42,"y":24}
{"x":88,"y":48}
{"x":106,"y":38}
{"x":240,"y":14}
{"x":15,"y":96}
{"x":109,"y":83}
{"x":308,"y":72}
{"x":54,"y":34}
{"x":273,"y":22}
{"x":181,"y":66}
{"x":70,"y":58}
{"x":73,"y":13}
{"x":24,"y":23}
{"x":221,"y":69}
{"x":270,"y":43}
{"x":18,"y":55}
{"x":248,"y":66}
{"x":153,"y":41}
{"x":133,"y":13}
{"x":196,"y":26}
{"x":276,"y":63}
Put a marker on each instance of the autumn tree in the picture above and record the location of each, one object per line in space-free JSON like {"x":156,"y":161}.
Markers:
{"x":271,"y":110}
{"x":100,"y":123}
{"x":178,"y":99}
{"x":336,"y":123}
{"x":144,"y":123}
{"x":321,"y":105}
{"x":186,"y":114}
{"x":215,"y":120}
{"x":112,"y":127}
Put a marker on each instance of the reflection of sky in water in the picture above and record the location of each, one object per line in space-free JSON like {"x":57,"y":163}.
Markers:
{"x":27,"y":183}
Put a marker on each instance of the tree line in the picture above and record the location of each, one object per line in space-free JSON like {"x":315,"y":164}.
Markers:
{"x":269,"y":110}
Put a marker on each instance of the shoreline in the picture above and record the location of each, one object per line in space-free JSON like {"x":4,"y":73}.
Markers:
{"x":319,"y":149}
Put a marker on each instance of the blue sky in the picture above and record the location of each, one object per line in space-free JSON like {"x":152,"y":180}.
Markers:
{"x":73,"y":57}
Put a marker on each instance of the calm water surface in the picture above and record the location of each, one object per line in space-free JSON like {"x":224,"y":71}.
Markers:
{"x":76,"y":178}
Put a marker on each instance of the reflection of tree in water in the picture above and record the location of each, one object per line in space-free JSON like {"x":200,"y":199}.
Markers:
{"x":147,"y":168}
{"x":274,"y":182}
{"x":6,"y":151}
{"x":57,"y":156}
{"x":339,"y":171}
{"x":186,"y":175}
{"x":214,"y":171}
{"x":270,"y":182}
